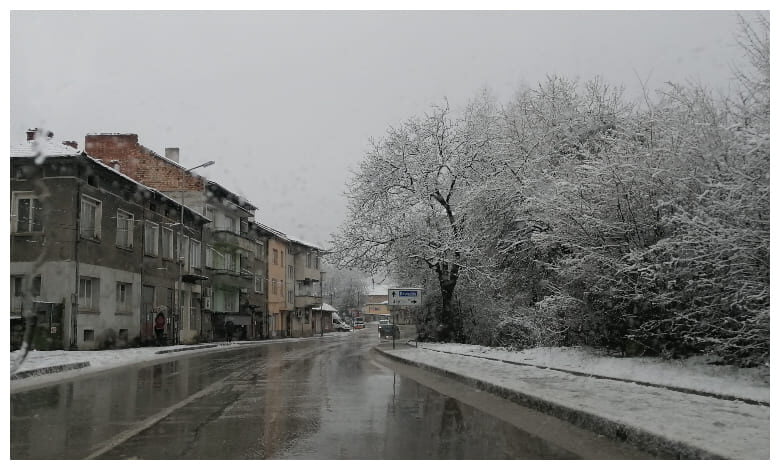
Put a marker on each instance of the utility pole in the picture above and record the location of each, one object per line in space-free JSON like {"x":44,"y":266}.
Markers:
{"x":322,"y":306}
{"x":179,"y":285}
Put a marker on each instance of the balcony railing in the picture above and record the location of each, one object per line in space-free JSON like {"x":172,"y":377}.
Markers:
{"x":228,"y":238}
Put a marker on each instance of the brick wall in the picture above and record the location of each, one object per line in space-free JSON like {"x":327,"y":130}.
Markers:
{"x":140,"y":163}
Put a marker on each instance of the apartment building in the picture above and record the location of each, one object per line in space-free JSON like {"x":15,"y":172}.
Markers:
{"x":308,"y":289}
{"x":281,"y":321}
{"x":92,"y":250}
{"x":229,"y":248}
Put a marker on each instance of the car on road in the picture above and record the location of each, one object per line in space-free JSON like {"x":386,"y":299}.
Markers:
{"x":358,"y":323}
{"x":389,"y":331}
{"x":384,"y":321}
{"x":339,"y":325}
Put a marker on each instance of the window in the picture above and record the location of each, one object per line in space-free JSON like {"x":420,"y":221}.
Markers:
{"x":230,"y":224}
{"x":167,"y":243}
{"x":289,"y":296}
{"x":183,"y":249}
{"x":214,"y":258}
{"x":16,"y":294}
{"x":124,"y":292}
{"x":124,"y":229}
{"x":231,"y":262}
{"x":273,"y":286}
{"x":209,"y":256}
{"x":290,"y":272}
{"x":259,"y":284}
{"x":151,"y":234}
{"x":282,"y":257}
{"x":260,"y":250}
{"x":276,"y":256}
{"x":89,"y":226}
{"x":195,"y":254}
{"x":28,"y":213}
{"x":316,"y":262}
{"x":308,"y":259}
{"x":89,"y":335}
{"x":88,"y":293}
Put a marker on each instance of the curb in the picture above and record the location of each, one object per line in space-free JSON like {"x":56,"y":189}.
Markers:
{"x":673,"y":388}
{"x":168,"y":351}
{"x":644,"y":440}
{"x":49,"y":370}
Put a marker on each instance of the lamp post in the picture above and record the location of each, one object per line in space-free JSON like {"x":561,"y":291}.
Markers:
{"x":179,"y":284}
{"x":322,"y":305}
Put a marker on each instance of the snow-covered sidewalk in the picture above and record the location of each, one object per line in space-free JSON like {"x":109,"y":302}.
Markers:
{"x":52,"y":365}
{"x":574,"y":384}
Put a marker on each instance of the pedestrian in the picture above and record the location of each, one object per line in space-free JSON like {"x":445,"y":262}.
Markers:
{"x":159,"y":328}
{"x":229,"y":331}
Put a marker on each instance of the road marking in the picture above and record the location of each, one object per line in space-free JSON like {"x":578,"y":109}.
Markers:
{"x":123,"y":437}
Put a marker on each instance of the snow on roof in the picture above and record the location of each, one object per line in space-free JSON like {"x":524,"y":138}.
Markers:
{"x":45,"y":148}
{"x":326,"y":308}
{"x":305,"y":243}
{"x":272,"y":230}
{"x":49,"y":148}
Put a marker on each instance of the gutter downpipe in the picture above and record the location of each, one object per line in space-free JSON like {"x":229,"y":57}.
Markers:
{"x":74,"y":309}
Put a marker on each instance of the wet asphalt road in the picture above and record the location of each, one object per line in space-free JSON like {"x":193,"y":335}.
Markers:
{"x":321,"y":398}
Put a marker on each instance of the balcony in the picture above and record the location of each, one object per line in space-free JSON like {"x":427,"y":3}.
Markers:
{"x":224,"y":277}
{"x":227,"y":240}
{"x":306,"y":301}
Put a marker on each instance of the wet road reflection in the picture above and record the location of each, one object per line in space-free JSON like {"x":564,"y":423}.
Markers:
{"x":317,"y":399}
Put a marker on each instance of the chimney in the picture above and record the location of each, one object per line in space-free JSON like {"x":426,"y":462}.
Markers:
{"x":115,"y":165}
{"x":172,"y":154}
{"x":71,"y":143}
{"x":32,"y":133}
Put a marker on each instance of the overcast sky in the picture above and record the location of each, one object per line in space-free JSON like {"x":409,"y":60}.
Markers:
{"x":286,"y":102}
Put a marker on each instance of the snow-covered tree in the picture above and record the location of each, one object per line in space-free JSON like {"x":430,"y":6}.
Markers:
{"x":405,"y":199}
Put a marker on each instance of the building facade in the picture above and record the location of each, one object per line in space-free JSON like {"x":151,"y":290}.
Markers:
{"x":227,"y":241}
{"x":92,"y":250}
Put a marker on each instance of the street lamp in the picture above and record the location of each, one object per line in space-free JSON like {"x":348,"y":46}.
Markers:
{"x":179,"y":284}
{"x":322,"y":305}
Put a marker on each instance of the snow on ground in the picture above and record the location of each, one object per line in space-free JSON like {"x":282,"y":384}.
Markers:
{"x":108,"y":359}
{"x":693,"y":373}
{"x":728,"y":428}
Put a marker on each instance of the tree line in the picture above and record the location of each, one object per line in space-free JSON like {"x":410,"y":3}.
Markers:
{"x":570,"y":215}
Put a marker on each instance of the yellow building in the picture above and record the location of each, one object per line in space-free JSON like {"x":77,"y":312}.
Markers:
{"x":277,"y":286}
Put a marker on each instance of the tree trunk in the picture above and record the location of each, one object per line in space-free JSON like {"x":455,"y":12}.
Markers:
{"x":447,"y":330}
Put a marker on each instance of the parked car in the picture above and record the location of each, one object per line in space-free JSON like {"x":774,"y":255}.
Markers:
{"x":384,"y":321}
{"x":389,"y":331}
{"x":339,"y":325}
{"x":358,"y":323}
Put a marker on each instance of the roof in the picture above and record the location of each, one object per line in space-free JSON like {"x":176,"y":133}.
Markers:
{"x":270,"y":230}
{"x":45,"y":148}
{"x":326,"y":308}
{"x":305,"y":243}
{"x":50,"y":148}
{"x":239,"y":200}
